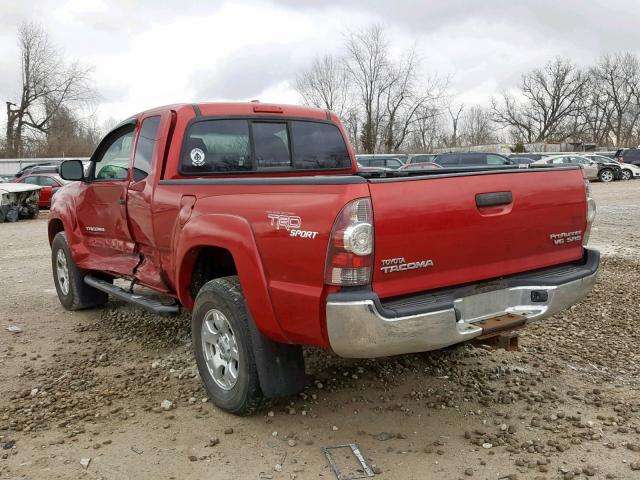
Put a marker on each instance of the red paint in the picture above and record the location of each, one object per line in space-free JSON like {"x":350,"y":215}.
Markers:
{"x":152,"y":231}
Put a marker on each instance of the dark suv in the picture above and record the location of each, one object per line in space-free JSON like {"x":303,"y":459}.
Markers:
{"x":628,"y":155}
{"x":471,"y":159}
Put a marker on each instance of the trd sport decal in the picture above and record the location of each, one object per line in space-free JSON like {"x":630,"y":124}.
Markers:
{"x":290,"y":223}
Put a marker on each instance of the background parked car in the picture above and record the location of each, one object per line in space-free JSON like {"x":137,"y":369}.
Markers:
{"x":38,"y":168}
{"x":50,"y":182}
{"x":630,"y":171}
{"x":393,"y":162}
{"x":628,"y":155}
{"x":591,"y":168}
{"x":624,"y":174}
{"x":471,"y":159}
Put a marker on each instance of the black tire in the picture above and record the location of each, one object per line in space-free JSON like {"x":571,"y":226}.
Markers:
{"x":77,"y":295}
{"x":34,"y":211}
{"x":224,"y":295}
{"x":626,"y":174}
{"x":606,"y":175}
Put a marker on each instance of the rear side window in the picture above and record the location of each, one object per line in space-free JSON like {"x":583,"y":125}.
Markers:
{"x":144,"y":148}
{"x":318,"y":146}
{"x":473,"y":159}
{"x":217,"y":146}
{"x":243,"y":145}
{"x":448,"y":160}
{"x":632,"y":153}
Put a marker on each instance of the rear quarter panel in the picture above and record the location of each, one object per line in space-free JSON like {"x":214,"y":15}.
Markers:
{"x":293,"y":266}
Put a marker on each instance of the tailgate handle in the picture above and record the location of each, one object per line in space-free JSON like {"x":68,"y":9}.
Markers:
{"x":493,"y":199}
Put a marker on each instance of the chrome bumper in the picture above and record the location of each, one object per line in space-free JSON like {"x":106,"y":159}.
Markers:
{"x":357,"y":329}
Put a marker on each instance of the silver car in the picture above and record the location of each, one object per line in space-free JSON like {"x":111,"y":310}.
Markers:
{"x":590,"y":167}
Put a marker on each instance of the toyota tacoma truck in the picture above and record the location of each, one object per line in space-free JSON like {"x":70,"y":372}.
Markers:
{"x":254,"y":218}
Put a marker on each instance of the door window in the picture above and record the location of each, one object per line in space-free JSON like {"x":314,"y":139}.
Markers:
{"x":143,"y":158}
{"x":496,"y":160}
{"x":31,"y":180}
{"x":113,"y":164}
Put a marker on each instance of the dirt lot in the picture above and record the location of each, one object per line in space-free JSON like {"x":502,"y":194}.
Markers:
{"x":88,"y":387}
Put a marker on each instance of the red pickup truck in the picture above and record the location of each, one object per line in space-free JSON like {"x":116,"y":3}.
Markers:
{"x":255,"y":218}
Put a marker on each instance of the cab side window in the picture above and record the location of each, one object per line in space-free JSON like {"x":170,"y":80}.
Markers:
{"x":113,"y":163}
{"x":143,"y":158}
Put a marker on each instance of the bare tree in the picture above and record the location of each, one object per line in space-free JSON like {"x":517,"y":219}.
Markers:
{"x":428,"y":131}
{"x":455,"y":121}
{"x":550,"y":96}
{"x":406,"y":100}
{"x":48,"y":84}
{"x":476,"y":127}
{"x":618,"y":78}
{"x":369,"y":67}
{"x":325,"y":85}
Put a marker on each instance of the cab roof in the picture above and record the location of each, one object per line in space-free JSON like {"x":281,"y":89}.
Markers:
{"x":248,"y":108}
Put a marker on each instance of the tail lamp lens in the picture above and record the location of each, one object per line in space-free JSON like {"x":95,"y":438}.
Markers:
{"x":591,"y":212}
{"x":350,"y":252}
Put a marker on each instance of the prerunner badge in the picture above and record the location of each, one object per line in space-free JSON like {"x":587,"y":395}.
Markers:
{"x":197,"y":157}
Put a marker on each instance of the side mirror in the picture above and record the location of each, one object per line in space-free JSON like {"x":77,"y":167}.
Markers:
{"x":72,"y":170}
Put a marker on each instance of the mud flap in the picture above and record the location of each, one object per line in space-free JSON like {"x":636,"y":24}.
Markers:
{"x":280,"y":366}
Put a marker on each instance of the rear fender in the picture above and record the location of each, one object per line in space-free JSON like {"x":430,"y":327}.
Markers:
{"x":234,"y":234}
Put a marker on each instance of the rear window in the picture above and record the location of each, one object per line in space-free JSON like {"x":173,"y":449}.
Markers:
{"x":631,"y":153}
{"x":242,"y":145}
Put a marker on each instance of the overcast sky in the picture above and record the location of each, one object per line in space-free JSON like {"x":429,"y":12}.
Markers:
{"x":153,"y":52}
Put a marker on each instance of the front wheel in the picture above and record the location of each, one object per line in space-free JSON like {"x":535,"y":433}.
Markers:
{"x":73,"y":293}
{"x":626,"y":174}
{"x":605,"y":175}
{"x":222,"y":347}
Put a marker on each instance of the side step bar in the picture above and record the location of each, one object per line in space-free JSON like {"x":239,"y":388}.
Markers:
{"x":139,"y":300}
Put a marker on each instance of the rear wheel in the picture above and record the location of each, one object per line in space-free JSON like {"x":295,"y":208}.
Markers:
{"x":223,"y":348}
{"x":73,"y":293}
{"x":605,"y":175}
{"x":626,"y":174}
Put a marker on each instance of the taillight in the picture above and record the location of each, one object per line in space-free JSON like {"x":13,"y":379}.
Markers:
{"x":591,"y":212}
{"x":350,"y":251}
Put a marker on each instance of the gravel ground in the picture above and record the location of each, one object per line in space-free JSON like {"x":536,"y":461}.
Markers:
{"x":114,"y":393}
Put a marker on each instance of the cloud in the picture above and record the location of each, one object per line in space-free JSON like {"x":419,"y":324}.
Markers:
{"x":247,"y":73}
{"x":153,"y":52}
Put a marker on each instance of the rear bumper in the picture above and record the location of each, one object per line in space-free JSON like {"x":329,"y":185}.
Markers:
{"x":359,"y":325}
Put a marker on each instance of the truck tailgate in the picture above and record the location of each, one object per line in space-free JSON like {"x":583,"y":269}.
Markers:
{"x":440,"y":231}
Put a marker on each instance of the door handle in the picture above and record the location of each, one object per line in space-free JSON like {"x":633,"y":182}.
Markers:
{"x":121,"y":201}
{"x":493,"y":199}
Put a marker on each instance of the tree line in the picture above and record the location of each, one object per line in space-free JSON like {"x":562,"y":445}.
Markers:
{"x":388,"y":105}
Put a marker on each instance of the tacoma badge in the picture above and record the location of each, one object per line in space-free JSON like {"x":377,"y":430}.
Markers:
{"x":391,"y":265}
